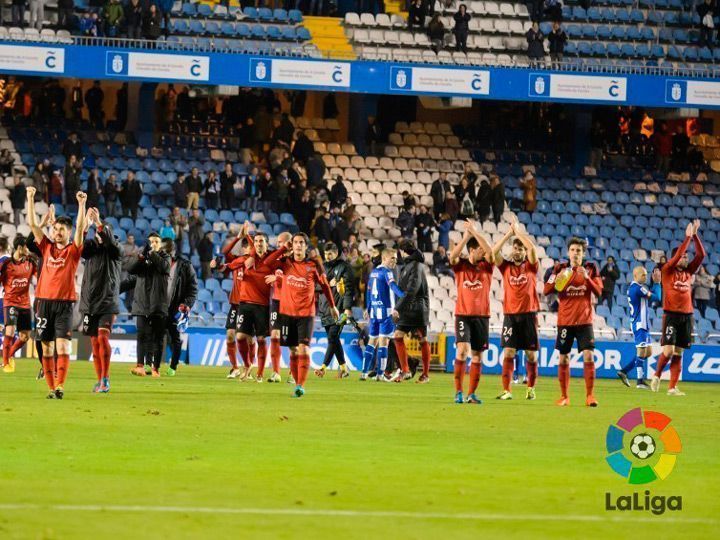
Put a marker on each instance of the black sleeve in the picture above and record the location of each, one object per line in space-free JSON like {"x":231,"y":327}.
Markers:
{"x":349,"y":281}
{"x":160,"y":261}
{"x":111,"y":244}
{"x":89,"y":249}
{"x":134,"y":265}
{"x":411,"y":287}
{"x":191,"y":286}
{"x":128,"y":283}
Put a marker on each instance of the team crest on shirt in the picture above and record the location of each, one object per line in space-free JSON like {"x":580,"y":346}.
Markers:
{"x":472,"y":285}
{"x":295,"y":281}
{"x":518,"y":280}
{"x":575,"y":290}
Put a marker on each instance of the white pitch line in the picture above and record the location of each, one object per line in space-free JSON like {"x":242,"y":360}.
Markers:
{"x":306,"y":512}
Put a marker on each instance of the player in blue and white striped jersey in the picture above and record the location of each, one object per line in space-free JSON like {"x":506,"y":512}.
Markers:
{"x":640,"y":297}
{"x":382,"y":292}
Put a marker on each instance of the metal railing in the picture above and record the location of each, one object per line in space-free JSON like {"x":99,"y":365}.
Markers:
{"x":366,"y":53}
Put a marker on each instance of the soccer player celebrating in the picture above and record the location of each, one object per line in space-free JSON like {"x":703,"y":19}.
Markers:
{"x":297,"y":307}
{"x":412,"y":311}
{"x":56,"y":289}
{"x":379,"y":308}
{"x":473,"y":277}
{"x":253,"y":316}
{"x":340,"y":277}
{"x":575,"y":284}
{"x":678,"y":320}
{"x":99,"y":294}
{"x":520,"y":307}
{"x":16,"y":272}
{"x":149,"y":275}
{"x":638,"y":297}
{"x":275,"y":351}
{"x":182,"y":293}
{"x":4,"y":246}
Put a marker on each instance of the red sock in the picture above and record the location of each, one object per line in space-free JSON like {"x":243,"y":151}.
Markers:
{"x":16,"y":346}
{"x":532,"y":373}
{"x":475,"y":372}
{"x":661,"y":363}
{"x":48,"y":363}
{"x":105,"y":352}
{"x":459,"y":374}
{"x":589,"y":374}
{"x":97,"y":357}
{"x":7,"y":345}
{"x":507,"y":369}
{"x":244,"y":350}
{"x":232,"y":353}
{"x":425,"y":352}
{"x":294,"y":366}
{"x":275,"y":354}
{"x":675,"y":369}
{"x":261,"y":356}
{"x":564,"y":378}
{"x":252,"y":352}
{"x":303,"y":361}
{"x":402,"y":354}
{"x":63,"y":364}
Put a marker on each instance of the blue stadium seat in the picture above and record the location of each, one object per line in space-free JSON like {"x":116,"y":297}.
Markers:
{"x":588,"y":31}
{"x":613,"y":50}
{"x":303,"y":34}
{"x":257,"y":32}
{"x":594,"y":14}
{"x":603,"y":32}
{"x":281,"y":15}
{"x":289,"y":33}
{"x":250,"y":12}
{"x":189,"y":9}
{"x":212,"y":27}
{"x":273,"y":32}
{"x":623,"y":16}
{"x":204,"y":10}
{"x":633,"y":33}
{"x":197,"y":27}
{"x":637,"y":16}
{"x":265,"y":14}
{"x":579,"y":13}
{"x":295,"y":16}
{"x":573,"y":31}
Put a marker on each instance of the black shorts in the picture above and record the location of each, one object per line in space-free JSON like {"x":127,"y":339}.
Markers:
{"x":296,"y":331}
{"x":231,"y":321}
{"x":568,"y":334}
{"x":92,"y":323}
{"x":677,"y":329}
{"x":520,"y":332}
{"x":253,"y":320}
{"x":417,"y":331}
{"x":275,"y":315}
{"x":20,"y":318}
{"x":53,"y":320}
{"x":473,"y":330}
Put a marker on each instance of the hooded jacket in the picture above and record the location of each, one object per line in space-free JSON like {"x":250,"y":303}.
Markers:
{"x":149,"y":274}
{"x":100,"y":289}
{"x":185,"y":286}
{"x":415,"y":305}
{"x":339,"y":269}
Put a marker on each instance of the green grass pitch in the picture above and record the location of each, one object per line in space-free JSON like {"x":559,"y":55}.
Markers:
{"x":199,"y":456}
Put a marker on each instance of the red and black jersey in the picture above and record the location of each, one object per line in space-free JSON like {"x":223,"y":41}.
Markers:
{"x":575,"y":305}
{"x":676,"y":282}
{"x":519,"y":287}
{"x":15,"y":279}
{"x":297,"y":293}
{"x":59,"y":266}
{"x":253,"y":289}
{"x":473,"y":288}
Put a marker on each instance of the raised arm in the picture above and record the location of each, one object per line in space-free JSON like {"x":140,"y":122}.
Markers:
{"x":527,"y":242}
{"x":689,"y":232}
{"x":497,"y":248}
{"x":393,"y":284}
{"x":593,"y":279}
{"x":484,"y":244}
{"x":32,"y":217}
{"x":456,"y":251}
{"x":81,"y":217}
{"x":700,"y":252}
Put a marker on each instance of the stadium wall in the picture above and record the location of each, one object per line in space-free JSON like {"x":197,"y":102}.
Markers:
{"x":96,"y":62}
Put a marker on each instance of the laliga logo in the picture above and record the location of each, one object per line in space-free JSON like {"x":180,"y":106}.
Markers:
{"x":676,"y":92}
{"x":51,"y":59}
{"x":117,"y":64}
{"x":195,"y":69}
{"x":540,"y":85}
{"x":614,"y":89}
{"x":476,"y":83}
{"x":260,"y":70}
{"x":518,"y":280}
{"x":472,"y":285}
{"x":299,"y":282}
{"x":337,"y":74}
{"x":401,"y":78}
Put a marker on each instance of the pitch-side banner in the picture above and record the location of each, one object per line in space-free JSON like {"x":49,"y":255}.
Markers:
{"x":681,"y":92}
{"x":34,"y":59}
{"x":157,"y":66}
{"x":577,"y":87}
{"x":302,"y":72}
{"x":440,"y":80}
{"x":700,"y":363}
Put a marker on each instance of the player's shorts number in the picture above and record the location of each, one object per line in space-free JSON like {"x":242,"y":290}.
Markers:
{"x":507,"y":330}
{"x":41,"y":323}
{"x":461,"y":326}
{"x":240,"y":319}
{"x":669,"y":331}
{"x":563,"y":333}
{"x":273,"y":317}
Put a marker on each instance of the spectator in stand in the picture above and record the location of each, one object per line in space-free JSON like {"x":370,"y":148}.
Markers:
{"x":18,"y":198}
{"x":529,"y":187}
{"x":436,"y":33}
{"x":196,"y":228}
{"x":702,"y":289}
{"x":321,"y":227}
{"x":663,"y":148}
{"x":680,"y":145}
{"x":441,"y":263}
{"x":165,"y":7}
{"x":180,"y":192}
{"x":252,"y":190}
{"x":558,"y":39}
{"x":536,"y":49}
{"x":37,"y":13}
{"x":227,"y":187}
{"x":553,"y":10}
{"x":406,"y":222}
{"x":597,"y":143}
{"x":130,"y":195}
{"x":462,"y":28}
{"x":303,"y":148}
{"x":194,"y":187}
{"x":484,"y":199}
{"x":283,"y":131}
{"x":151,"y":23}
{"x":212,"y":191}
{"x":497,"y":197}
{"x":94,"y":189}
{"x":76,"y":101}
{"x":72,"y":146}
{"x":465,"y":196}
{"x":206,"y":253}
{"x":416,"y":15}
{"x":706,"y":11}
{"x":6,"y":161}
{"x":438,"y":190}
{"x":129,"y":247}
{"x":167,"y":231}
{"x":304,"y":212}
{"x":55,"y":188}
{"x":134,"y":18}
{"x":71,"y":176}
{"x":609,"y":274}
{"x":338,"y":192}
{"x":40,"y":181}
{"x":408,"y":200}
{"x":452,"y":208}
{"x":17,"y":12}
{"x":424,"y":224}
{"x":94,"y":98}
{"x":114,"y":17}
{"x":315,"y":170}
{"x":373,"y":136}
{"x":110,"y":194}
{"x":340,"y":233}
{"x":66,"y":10}
{"x":444,"y":227}
{"x":268,"y":196}
{"x":535,"y":8}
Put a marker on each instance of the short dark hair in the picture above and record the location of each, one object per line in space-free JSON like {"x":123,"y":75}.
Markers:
{"x":473,"y":244}
{"x":20,"y":241}
{"x":406,"y":245}
{"x":330,"y":246}
{"x":64,"y":220}
{"x":168,"y":245}
{"x":517,"y":242}
{"x":258,"y":233}
{"x":577,"y":241}
{"x":153,"y":235}
{"x":303,"y":236}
